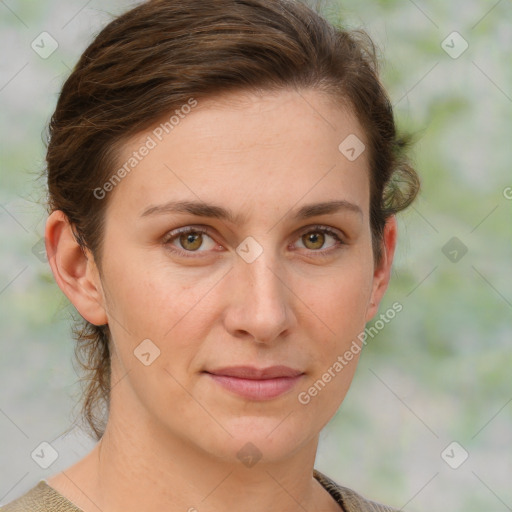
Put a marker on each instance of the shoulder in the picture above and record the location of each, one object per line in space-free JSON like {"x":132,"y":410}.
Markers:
{"x":41,"y":498}
{"x":349,"y":500}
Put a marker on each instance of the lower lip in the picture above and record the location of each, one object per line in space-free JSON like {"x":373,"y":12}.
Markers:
{"x":263,"y":389}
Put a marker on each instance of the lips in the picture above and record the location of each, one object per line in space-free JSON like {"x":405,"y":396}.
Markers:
{"x":249,"y":372}
{"x":254,"y":383}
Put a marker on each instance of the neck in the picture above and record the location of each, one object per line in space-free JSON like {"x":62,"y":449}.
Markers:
{"x":140,"y":465}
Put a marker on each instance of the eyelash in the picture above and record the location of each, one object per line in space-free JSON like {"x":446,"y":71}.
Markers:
{"x":173,"y":235}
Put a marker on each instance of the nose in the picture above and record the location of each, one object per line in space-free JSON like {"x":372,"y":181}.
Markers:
{"x":259,"y":308}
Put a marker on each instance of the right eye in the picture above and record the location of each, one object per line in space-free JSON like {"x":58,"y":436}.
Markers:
{"x":189,"y":240}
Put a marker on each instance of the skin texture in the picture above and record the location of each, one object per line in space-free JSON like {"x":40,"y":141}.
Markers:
{"x":173,"y":433}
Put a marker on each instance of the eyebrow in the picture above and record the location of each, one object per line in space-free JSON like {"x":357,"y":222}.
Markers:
{"x":202,"y":209}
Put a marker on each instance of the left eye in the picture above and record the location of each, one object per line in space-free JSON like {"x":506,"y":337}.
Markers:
{"x":315,"y":239}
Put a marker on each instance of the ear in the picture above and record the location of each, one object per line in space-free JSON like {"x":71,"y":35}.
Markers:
{"x":382,"y":271}
{"x":74,"y":269}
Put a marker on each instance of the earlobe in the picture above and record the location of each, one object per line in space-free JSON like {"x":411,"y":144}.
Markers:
{"x":382,"y":271}
{"x":74,"y":270}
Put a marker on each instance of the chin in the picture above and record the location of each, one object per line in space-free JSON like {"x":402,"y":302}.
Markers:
{"x":268,"y":438}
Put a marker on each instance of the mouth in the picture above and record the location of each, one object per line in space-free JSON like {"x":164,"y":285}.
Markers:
{"x":256,"y":384}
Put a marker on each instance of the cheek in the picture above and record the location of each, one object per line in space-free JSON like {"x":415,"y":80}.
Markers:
{"x":173,"y":309}
{"x":339,"y":306}
{"x":341,"y":315}
{"x":342,"y":297}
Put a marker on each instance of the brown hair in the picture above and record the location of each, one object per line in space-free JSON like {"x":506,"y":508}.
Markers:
{"x":152,"y":60}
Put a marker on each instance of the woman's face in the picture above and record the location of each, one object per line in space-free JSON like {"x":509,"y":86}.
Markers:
{"x":240,"y":238}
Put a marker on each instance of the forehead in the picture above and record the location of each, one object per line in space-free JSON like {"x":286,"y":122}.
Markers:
{"x":267,"y":148}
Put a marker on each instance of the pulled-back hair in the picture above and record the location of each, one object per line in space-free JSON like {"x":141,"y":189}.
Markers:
{"x":151,"y":60}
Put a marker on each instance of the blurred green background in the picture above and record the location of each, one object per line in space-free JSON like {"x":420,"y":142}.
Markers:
{"x":439,"y":372}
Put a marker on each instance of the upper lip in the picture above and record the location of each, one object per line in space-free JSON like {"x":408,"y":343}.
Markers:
{"x":249,"y":372}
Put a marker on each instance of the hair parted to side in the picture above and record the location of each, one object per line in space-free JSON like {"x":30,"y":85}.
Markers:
{"x":156,"y":57}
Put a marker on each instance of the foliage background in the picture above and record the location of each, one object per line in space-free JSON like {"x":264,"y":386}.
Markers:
{"x":439,"y":372}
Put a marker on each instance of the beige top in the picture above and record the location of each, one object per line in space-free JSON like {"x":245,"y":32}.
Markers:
{"x":43,"y":498}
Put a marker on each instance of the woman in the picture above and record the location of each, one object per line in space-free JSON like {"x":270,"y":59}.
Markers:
{"x":223,"y":178}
